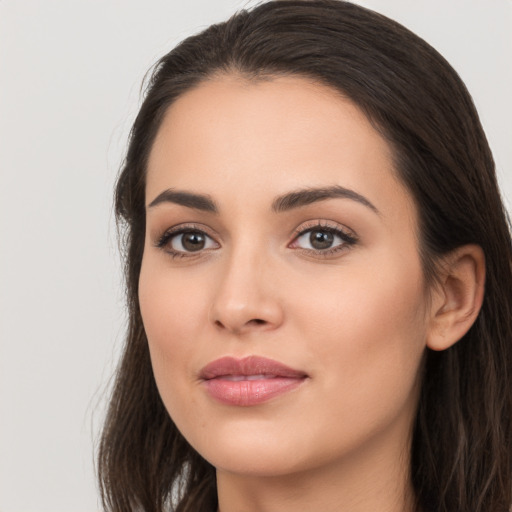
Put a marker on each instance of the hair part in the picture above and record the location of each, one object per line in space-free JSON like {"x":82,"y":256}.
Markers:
{"x":461,"y":447}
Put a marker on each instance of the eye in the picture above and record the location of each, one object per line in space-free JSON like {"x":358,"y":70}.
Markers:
{"x":318,"y":240}
{"x":186,"y":240}
{"x":323,"y":239}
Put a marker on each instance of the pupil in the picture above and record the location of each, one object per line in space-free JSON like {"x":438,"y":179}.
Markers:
{"x":321,"y":239}
{"x":193,"y":241}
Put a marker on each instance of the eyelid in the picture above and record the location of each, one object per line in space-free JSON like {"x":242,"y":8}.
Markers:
{"x":347,"y":235}
{"x":163,"y":240}
{"x":326,"y":225}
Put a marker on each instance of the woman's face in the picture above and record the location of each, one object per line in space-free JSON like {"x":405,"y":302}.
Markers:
{"x":277,"y":229}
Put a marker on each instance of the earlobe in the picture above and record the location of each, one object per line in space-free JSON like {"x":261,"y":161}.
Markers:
{"x":458,"y":297}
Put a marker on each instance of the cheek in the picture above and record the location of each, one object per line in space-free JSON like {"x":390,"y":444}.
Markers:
{"x":376,"y":297}
{"x":173,"y":312}
{"x":368,"y":327}
{"x":173,"y":316}
{"x":168,"y":308}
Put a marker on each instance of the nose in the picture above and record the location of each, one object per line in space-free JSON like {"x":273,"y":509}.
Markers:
{"x":246,"y":298}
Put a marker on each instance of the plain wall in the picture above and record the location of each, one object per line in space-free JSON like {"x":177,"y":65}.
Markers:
{"x":70,"y":72}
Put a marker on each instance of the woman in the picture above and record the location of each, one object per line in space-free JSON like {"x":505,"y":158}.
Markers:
{"x":319,"y":279}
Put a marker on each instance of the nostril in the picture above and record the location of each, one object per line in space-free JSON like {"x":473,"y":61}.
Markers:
{"x":257,"y":321}
{"x":235,"y":327}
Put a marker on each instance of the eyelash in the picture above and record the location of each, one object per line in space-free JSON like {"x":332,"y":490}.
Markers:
{"x":348,"y":239}
{"x":164,"y":241}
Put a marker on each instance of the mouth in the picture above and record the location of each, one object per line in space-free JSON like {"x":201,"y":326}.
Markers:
{"x":249,"y":381}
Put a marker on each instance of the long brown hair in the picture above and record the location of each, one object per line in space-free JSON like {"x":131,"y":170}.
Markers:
{"x":462,"y":443}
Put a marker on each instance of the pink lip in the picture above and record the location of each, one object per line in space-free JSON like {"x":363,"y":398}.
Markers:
{"x":249,"y":381}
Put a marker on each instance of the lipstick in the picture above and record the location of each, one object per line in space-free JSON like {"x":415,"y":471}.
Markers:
{"x":249,"y":381}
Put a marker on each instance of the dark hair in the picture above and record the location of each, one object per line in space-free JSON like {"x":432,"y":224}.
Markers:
{"x":461,"y":448}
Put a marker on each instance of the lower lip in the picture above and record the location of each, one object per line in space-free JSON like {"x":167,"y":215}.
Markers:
{"x":250,"y":392}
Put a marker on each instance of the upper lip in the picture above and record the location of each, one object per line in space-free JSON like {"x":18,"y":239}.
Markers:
{"x":251,"y":365}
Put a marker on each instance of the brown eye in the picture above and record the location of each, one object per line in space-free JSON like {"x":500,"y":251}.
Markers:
{"x":321,"y":239}
{"x":187,"y":241}
{"x":192,"y":241}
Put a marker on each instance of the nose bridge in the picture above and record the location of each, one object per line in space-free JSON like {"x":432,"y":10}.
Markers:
{"x":245,"y":295}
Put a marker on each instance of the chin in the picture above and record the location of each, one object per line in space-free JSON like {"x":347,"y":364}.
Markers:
{"x":257,"y":463}
{"x":251,"y":451}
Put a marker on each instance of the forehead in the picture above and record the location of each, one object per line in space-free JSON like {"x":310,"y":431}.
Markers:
{"x":270,"y":136}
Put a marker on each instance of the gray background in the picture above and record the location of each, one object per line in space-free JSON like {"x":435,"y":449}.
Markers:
{"x":70,"y":72}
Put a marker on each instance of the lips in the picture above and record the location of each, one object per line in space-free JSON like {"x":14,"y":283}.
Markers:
{"x":249,"y":381}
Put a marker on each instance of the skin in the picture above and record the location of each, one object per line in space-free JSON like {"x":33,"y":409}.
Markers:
{"x":356,"y":320}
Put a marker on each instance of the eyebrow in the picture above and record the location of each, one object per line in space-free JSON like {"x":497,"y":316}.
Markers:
{"x":188,"y":199}
{"x":308,"y":196}
{"x":286,"y":202}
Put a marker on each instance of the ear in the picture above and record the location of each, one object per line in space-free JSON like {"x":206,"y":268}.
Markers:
{"x":457,"y":299}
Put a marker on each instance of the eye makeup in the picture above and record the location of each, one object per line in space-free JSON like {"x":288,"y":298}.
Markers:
{"x":325,"y":239}
{"x":318,"y":238}
{"x":186,"y":240}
